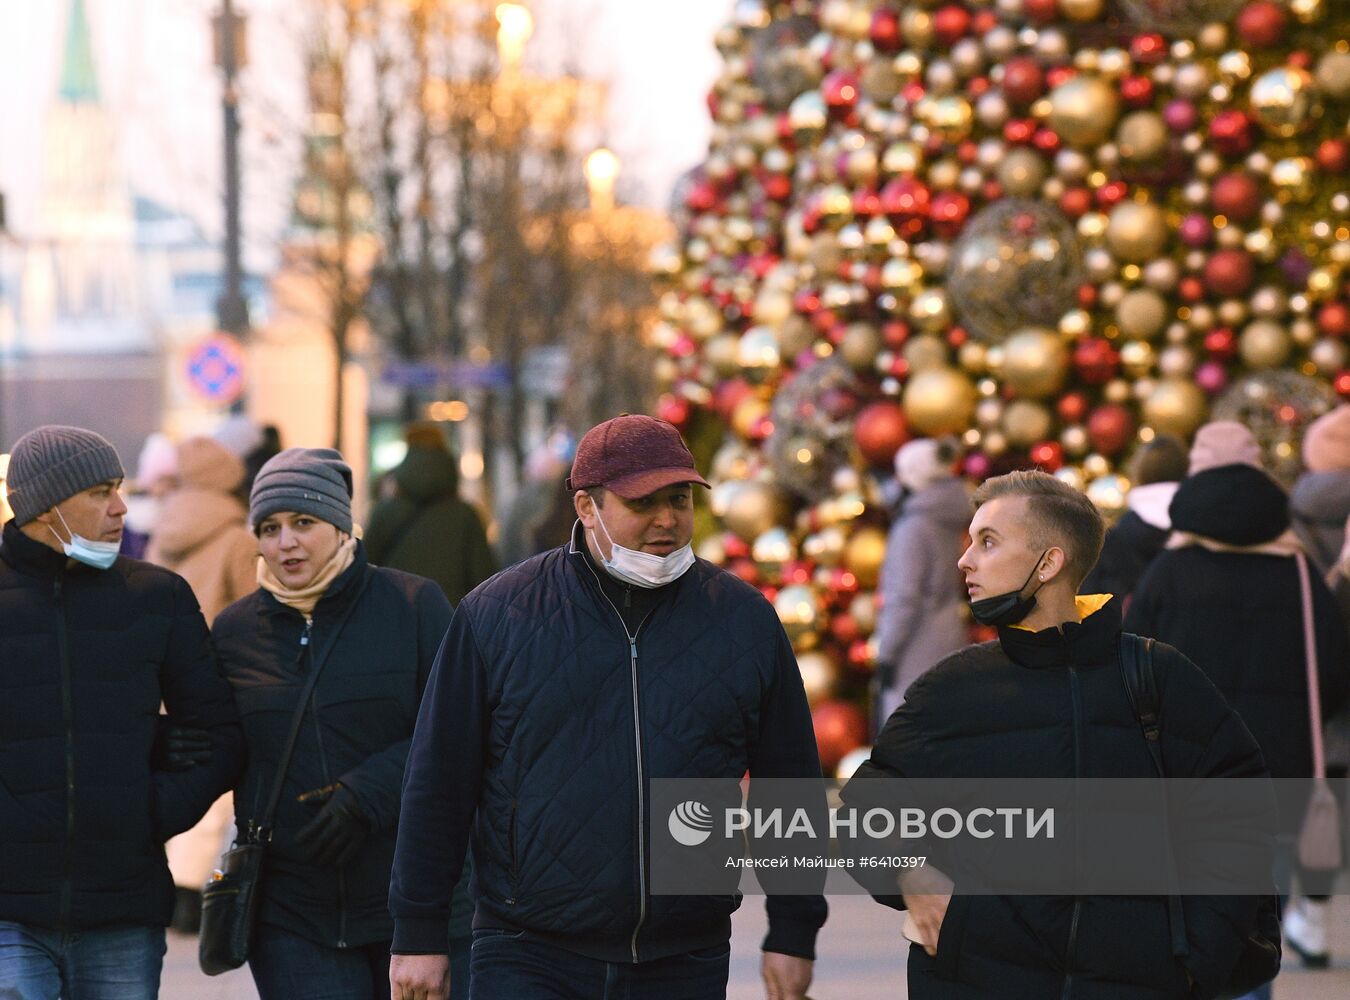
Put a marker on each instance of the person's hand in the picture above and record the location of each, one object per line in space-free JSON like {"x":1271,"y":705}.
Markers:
{"x":786,"y":977}
{"x":927,"y":894}
{"x":336,"y":834}
{"x":181,"y":748}
{"x":419,"y":977}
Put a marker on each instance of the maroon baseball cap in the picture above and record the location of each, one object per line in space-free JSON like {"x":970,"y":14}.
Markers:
{"x":633,"y":455}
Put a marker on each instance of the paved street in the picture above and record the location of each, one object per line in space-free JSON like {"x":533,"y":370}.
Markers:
{"x":860,"y":960}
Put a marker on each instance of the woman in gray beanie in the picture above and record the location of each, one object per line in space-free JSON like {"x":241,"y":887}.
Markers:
{"x":371,"y":633}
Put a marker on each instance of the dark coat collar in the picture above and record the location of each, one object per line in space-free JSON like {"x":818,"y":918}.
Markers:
{"x":32,"y":558}
{"x":1089,"y":643}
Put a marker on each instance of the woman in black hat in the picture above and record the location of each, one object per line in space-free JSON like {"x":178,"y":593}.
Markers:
{"x":323,"y":928}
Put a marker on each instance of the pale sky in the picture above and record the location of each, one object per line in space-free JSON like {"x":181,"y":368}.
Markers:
{"x":153,"y":59}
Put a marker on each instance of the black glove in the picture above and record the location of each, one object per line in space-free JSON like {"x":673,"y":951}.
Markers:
{"x":335,"y":836}
{"x":180,"y":748}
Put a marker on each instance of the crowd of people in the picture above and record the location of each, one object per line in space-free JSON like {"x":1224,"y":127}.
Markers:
{"x":449,"y":765}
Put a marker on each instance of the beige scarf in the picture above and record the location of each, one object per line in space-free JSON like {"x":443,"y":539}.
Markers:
{"x":304,"y":599}
{"x":1285,"y":545}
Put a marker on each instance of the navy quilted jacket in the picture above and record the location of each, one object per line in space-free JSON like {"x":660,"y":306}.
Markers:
{"x":86,"y":657}
{"x":540,"y":731}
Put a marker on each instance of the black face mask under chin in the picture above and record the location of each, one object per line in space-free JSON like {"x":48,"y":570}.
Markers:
{"x":1009,"y":608}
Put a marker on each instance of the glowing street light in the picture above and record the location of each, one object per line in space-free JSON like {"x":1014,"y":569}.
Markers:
{"x":515,"y":25}
{"x":602,"y":171}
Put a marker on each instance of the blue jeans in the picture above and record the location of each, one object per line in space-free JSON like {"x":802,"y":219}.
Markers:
{"x":286,"y":966}
{"x":107,"y":963}
{"x":510,"y":966}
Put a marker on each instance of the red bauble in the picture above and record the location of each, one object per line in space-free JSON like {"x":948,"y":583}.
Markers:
{"x":1333,"y":156}
{"x":842,"y":581}
{"x":777,"y":187}
{"x":702,"y":197}
{"x":840,"y":90}
{"x":1341,"y":383}
{"x":880,"y":430}
{"x":1075,"y":202}
{"x":907,"y":202}
{"x":1041,"y":11}
{"x":1111,"y":194}
{"x":1095,"y":360}
{"x":895,"y":333}
{"x":1048,"y":455}
{"x":951,"y":23}
{"x":1261,"y":24}
{"x":1047,"y":140}
{"x":1023,"y":81}
{"x":1072,"y":407}
{"x":1221,"y":343}
{"x":674,"y":409}
{"x":977,"y":465}
{"x":841,"y":727}
{"x":1333,"y":320}
{"x":866,"y":202}
{"x":949,"y":211}
{"x":1019,"y":131}
{"x":1231,"y":132}
{"x":1149,"y":49}
{"x":1191,"y":288}
{"x":745,"y":569}
{"x":1137,"y":91}
{"x":727,"y":395}
{"x":1237,"y":195}
{"x":844,"y":628}
{"x":1229,"y":273}
{"x":885,"y":30}
{"x":1110,"y":428}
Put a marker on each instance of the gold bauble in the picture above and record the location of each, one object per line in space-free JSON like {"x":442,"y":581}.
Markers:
{"x":1084,"y":110}
{"x":1142,"y":314}
{"x":1284,"y":101}
{"x":973,"y":357}
{"x":1175,"y":406}
{"x":758,"y":353}
{"x":900,"y":274}
{"x":1292,"y":178}
{"x":1142,"y":137}
{"x":807,"y":117}
{"x":772,"y":307}
{"x":818,"y":676}
{"x":1075,"y":440}
{"x":863,"y":608}
{"x":752,"y":510}
{"x":1035,"y":362}
{"x":1026,"y":423}
{"x":825,"y":254}
{"x":772,"y":548}
{"x":864,"y":555}
{"x":1176,"y":361}
{"x":721,"y":352}
{"x":798,"y":609}
{"x":826,"y":547}
{"x":930,"y":311}
{"x":1082,"y":10}
{"x":1329,"y":356}
{"x":1022,"y":172}
{"x":1333,"y":75}
{"x":731,"y":462}
{"x":949,"y":117}
{"x":1264,"y":344}
{"x":1108,"y":494}
{"x":939,"y":401}
{"x":702,"y":318}
{"x":862,"y":166}
{"x":1136,"y":358}
{"x":1136,"y":232}
{"x":747,"y":415}
{"x":902,"y":158}
{"x":923,"y":353}
{"x":712,"y":548}
{"x":795,"y":335}
{"x":860,"y":345}
{"x":880,"y":82}
{"x":1307,"y":11}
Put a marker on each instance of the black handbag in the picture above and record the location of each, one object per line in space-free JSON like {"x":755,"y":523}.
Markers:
{"x":1259,"y":962}
{"x":230,"y":898}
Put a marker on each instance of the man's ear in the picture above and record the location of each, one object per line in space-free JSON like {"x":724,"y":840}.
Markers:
{"x":1053,"y":563}
{"x":584,"y":504}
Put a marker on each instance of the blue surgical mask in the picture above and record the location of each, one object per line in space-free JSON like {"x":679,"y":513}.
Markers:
{"x":100,"y":555}
{"x":644,"y":569}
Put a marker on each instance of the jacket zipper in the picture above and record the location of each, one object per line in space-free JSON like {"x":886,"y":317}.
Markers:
{"x":68,"y":719}
{"x":637,"y":736}
{"x":1075,"y":696}
{"x":515,"y":867}
{"x":327,"y":778}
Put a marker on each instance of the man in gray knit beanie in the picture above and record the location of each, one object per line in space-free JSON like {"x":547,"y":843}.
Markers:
{"x":117,"y":730}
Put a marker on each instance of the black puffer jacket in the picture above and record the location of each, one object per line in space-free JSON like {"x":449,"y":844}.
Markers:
{"x":543,"y":728}
{"x":86,"y":657}
{"x":1051,"y":704}
{"x":357,"y":732}
{"x":1238,"y":615}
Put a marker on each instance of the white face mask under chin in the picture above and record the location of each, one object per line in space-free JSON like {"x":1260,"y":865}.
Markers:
{"x":643,"y":569}
{"x":100,"y":555}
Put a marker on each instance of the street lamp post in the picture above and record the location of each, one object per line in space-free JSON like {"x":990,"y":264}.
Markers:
{"x":232,"y":306}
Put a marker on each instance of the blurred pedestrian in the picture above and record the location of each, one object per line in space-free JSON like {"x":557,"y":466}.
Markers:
{"x":200,"y":534}
{"x":93,"y":643}
{"x":1319,"y":503}
{"x":1046,"y":700}
{"x":427,"y":529}
{"x":1227,"y":593}
{"x":1142,"y":531}
{"x":923,"y":608}
{"x":566,"y":685}
{"x":156,"y":478}
{"x":323,"y":923}
{"x":541,"y":515}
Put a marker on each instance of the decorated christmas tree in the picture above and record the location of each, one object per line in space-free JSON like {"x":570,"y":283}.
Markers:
{"x":1051,"y":228}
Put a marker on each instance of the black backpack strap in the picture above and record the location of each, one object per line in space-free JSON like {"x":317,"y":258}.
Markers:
{"x":1141,"y":685}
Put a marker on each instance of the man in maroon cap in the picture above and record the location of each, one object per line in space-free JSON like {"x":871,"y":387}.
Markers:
{"x":565,"y":685}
